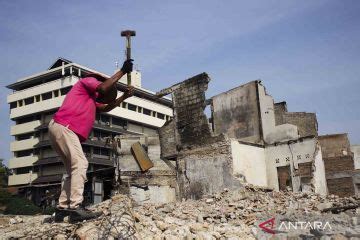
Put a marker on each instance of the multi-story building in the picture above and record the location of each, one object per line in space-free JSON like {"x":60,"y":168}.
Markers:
{"x":36,"y":98}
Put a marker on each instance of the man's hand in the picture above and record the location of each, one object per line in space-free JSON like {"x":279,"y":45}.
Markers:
{"x":127,"y":66}
{"x":128,"y":92}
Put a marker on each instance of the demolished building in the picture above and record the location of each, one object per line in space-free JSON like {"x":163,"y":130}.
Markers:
{"x":248,"y":138}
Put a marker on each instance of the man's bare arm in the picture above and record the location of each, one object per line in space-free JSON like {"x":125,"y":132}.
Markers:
{"x":109,"y":83}
{"x":108,"y":107}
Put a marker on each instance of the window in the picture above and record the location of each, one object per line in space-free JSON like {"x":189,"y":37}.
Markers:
{"x":28,"y":119}
{"x":56,"y":93}
{"x":64,"y":91}
{"x":20,"y":103}
{"x":97,"y":117}
{"x":104,"y":118}
{"x":139,"y":109}
{"x":124,"y":104}
{"x":13,"y":105}
{"x":146,"y":111}
{"x":23,"y":153}
{"x":101,"y":151}
{"x":161,"y":116}
{"x":118,"y":121}
{"x":131,"y":107}
{"x":97,"y":134}
{"x":24,"y":136}
{"x":100,"y":134}
{"x":87,"y":151}
{"x":29,"y":100}
{"x":154,"y":114}
{"x":23,"y":170}
{"x":37,"y":98}
{"x":46,"y":96}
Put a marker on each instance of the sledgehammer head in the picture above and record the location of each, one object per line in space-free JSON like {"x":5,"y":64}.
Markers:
{"x":128,"y":33}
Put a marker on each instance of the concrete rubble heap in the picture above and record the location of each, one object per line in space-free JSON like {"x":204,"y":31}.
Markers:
{"x":225,"y":215}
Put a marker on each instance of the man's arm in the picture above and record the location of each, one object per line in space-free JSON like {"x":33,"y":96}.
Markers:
{"x":108,"y":107}
{"x":105,"y":86}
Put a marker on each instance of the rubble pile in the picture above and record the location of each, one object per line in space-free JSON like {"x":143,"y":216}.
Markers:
{"x":226,"y":215}
{"x":117,"y":222}
{"x":237,"y":214}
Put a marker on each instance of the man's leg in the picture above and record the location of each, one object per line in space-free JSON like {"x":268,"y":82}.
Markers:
{"x":78,"y":168}
{"x":55,"y":133}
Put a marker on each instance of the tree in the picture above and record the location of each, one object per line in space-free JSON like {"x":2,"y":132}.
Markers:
{"x":4,"y":174}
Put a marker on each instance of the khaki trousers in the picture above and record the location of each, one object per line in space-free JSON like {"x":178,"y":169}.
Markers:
{"x":66,"y":143}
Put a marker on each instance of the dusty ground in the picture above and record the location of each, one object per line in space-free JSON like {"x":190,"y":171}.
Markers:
{"x":227,"y":215}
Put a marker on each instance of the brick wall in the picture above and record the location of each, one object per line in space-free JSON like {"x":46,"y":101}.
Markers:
{"x":306,"y":122}
{"x":335,"y":145}
{"x":342,"y":187}
{"x":279,"y":109}
{"x":338,"y":164}
{"x":189,"y":104}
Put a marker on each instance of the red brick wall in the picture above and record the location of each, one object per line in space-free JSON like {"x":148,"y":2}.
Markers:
{"x":342,"y":187}
{"x":338,"y":164}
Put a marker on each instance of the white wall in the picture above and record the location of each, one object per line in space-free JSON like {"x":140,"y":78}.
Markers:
{"x":42,"y":88}
{"x":155,"y":194}
{"x":24,"y":127}
{"x":18,"y":162}
{"x":356,"y":150}
{"x":23,"y":144}
{"x":319,"y":174}
{"x":288,"y":154}
{"x":25,"y":178}
{"x":249,"y":161}
{"x":271,"y":132}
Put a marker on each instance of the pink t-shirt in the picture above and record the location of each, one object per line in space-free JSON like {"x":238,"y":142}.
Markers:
{"x":79,"y":107}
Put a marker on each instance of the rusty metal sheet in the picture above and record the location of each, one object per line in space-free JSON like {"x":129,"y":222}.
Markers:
{"x":141,"y":157}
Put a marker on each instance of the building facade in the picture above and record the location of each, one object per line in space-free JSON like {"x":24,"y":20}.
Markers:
{"x":33,"y":102}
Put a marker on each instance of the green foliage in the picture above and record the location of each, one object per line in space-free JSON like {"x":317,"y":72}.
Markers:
{"x":4,"y":173}
{"x":17,"y":205}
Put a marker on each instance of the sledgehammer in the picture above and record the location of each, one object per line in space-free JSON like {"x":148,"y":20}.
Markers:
{"x":128,"y":34}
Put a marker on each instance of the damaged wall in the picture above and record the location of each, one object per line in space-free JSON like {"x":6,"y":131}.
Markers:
{"x":158,"y":184}
{"x":339,"y":164}
{"x":271,"y":132}
{"x":300,"y":157}
{"x":236,"y":113}
{"x":306,"y":122}
{"x":356,"y":151}
{"x":206,"y":170}
{"x":249,"y":162}
{"x":191,"y":126}
{"x":204,"y":161}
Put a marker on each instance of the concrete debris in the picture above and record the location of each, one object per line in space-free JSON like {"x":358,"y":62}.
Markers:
{"x":225,"y":215}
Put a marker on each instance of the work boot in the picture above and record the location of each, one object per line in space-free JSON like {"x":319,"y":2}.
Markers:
{"x":61,"y":213}
{"x":80,"y":214}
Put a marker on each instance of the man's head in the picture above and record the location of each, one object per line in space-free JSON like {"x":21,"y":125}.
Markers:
{"x":107,"y":97}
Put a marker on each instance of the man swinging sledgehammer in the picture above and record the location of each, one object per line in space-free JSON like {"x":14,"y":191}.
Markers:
{"x":71,"y":125}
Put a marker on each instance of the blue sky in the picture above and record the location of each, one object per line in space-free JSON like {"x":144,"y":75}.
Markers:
{"x":305,"y":52}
